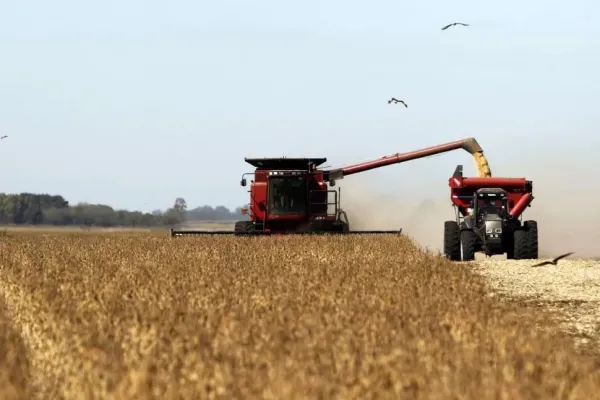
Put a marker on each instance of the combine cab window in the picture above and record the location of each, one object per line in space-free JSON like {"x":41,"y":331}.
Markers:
{"x":287,"y":195}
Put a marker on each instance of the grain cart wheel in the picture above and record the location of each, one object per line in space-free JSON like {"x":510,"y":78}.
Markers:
{"x":522,"y":249}
{"x":452,"y":241}
{"x":532,"y":234}
{"x":469,"y":244}
{"x":243,"y":227}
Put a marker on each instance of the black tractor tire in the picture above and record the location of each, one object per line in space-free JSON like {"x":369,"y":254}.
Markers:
{"x":509,"y":248}
{"x":469,"y":243}
{"x":243,"y":227}
{"x":522,"y":248}
{"x":532,"y":232}
{"x":452,"y":240}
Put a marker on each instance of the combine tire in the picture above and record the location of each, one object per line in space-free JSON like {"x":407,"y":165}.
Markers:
{"x":469,"y":244}
{"x":522,"y":249}
{"x":344,"y":227}
{"x":451,"y":241}
{"x":244,"y":226}
{"x":532,"y":238}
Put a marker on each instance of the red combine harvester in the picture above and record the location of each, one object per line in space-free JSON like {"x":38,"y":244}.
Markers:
{"x":488,"y":218}
{"x":290,"y":195}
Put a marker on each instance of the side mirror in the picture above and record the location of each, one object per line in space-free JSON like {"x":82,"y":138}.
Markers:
{"x":243,"y":182}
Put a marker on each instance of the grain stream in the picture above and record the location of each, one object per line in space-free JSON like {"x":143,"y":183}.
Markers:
{"x":141,"y":316}
{"x":482,"y":165}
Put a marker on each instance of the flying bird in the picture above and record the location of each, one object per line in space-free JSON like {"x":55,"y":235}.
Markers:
{"x":396,"y":101}
{"x":553,"y":262}
{"x":454,"y":24}
{"x":4,"y":137}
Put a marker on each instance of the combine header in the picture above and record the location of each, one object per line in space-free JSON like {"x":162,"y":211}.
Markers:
{"x":290,"y":195}
{"x":489,"y":218}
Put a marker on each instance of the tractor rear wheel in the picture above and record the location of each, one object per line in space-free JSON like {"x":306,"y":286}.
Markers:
{"x":452,"y":240}
{"x":522,"y":248}
{"x":532,"y":237}
{"x":469,"y":244}
{"x":243,"y":227}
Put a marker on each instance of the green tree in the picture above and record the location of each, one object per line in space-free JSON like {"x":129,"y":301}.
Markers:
{"x":180,"y":205}
{"x":31,"y":208}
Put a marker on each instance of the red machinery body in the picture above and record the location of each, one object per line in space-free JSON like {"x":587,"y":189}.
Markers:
{"x":519,"y":191}
{"x":291,"y":195}
{"x":488,"y":218}
{"x":318,"y":207}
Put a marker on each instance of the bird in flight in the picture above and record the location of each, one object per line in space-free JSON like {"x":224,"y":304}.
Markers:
{"x":553,"y":262}
{"x":454,"y":24}
{"x":396,"y":101}
{"x":4,"y":137}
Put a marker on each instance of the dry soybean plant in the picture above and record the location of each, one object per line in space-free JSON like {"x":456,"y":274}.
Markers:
{"x":143,"y":316}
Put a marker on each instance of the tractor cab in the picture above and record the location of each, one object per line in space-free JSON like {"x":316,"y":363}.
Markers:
{"x":490,"y":204}
{"x":490,"y":216}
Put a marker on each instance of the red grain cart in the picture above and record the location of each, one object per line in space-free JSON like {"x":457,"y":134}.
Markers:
{"x":489,"y":218}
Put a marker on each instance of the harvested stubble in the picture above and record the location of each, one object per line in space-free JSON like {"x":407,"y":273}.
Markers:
{"x":141,"y":316}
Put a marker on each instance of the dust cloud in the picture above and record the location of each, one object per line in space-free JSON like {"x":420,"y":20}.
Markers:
{"x":566,"y":204}
{"x":422,"y":219}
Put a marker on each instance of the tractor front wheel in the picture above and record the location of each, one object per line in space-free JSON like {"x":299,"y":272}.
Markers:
{"x":452,"y":240}
{"x":469,"y":244}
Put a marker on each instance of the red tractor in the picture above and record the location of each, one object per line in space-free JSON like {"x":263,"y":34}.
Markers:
{"x":489,"y":218}
{"x":290,"y":195}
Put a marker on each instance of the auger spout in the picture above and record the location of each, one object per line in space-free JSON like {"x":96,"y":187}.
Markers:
{"x":470,"y":145}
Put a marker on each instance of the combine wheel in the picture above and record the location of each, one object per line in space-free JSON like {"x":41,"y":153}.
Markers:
{"x":522,"y":249}
{"x":469,"y":244}
{"x":344,"y":227}
{"x":452,"y":241}
{"x":244,"y":226}
{"x":532,"y":238}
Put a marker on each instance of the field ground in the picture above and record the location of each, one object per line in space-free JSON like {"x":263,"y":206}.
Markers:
{"x":571,"y":289}
{"x":141,"y":315}
{"x":7,"y":229}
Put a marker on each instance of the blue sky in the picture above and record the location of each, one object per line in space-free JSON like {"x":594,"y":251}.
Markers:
{"x":135,"y":103}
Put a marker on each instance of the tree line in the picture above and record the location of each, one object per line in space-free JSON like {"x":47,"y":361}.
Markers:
{"x":45,"y":209}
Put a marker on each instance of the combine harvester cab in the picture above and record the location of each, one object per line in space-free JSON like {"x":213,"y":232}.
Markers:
{"x":291,"y":195}
{"x":489,"y":213}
